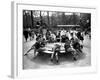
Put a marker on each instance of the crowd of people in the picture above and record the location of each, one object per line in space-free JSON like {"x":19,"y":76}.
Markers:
{"x":72,"y":40}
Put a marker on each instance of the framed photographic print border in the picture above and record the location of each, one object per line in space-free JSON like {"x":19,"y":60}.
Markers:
{"x":17,"y":47}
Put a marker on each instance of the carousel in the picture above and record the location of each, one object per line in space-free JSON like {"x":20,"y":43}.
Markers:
{"x":56,"y":45}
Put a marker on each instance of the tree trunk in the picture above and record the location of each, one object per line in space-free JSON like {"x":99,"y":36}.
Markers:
{"x":48,"y":18}
{"x":32,"y":19}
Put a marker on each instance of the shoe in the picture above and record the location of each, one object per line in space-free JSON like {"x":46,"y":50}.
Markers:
{"x":74,"y":59}
{"x":25,"y":54}
{"x":57,"y":61}
{"x":51,"y":60}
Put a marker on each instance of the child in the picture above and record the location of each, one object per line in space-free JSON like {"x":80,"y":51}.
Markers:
{"x":36,"y":47}
{"x":56,"y":52}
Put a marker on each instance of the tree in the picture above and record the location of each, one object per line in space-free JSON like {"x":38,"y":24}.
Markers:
{"x":85,"y":21}
{"x":32,"y":19}
{"x":63,"y":19}
{"x":48,"y":18}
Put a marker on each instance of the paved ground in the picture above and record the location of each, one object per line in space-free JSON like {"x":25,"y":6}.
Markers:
{"x":43,"y":60}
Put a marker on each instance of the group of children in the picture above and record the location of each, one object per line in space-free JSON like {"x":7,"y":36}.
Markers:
{"x":72,"y":44}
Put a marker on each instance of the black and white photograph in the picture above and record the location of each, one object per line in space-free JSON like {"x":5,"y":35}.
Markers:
{"x":56,"y":39}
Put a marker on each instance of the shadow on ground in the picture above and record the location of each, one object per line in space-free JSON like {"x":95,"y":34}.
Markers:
{"x":44,"y":59}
